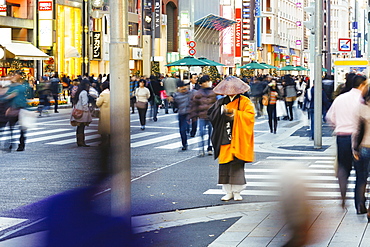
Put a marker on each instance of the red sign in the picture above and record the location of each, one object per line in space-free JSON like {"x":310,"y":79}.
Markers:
{"x":192,"y":44}
{"x":45,"y":6}
{"x":238,"y":32}
{"x":192,"y":52}
{"x":2,"y":8}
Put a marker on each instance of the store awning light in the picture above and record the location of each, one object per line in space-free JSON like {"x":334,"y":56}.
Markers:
{"x":71,"y":51}
{"x":215,"y":22}
{"x":25,"y":51}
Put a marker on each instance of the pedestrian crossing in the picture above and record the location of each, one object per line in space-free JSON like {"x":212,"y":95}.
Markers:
{"x":67,"y":136}
{"x":265,"y":178}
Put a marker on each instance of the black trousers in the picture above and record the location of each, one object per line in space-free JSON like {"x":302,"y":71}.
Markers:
{"x":142,"y":114}
{"x":271,"y":111}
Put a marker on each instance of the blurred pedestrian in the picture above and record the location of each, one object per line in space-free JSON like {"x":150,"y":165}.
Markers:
{"x":133,"y":86}
{"x":170,"y":86}
{"x":290,"y":89}
{"x":193,"y":86}
{"x":257,"y":87}
{"x":200,"y":102}
{"x":4,"y":86}
{"x":182,"y":99}
{"x":273,"y":96}
{"x":103,"y":102}
{"x":44,"y":92}
{"x":342,"y":115}
{"x":142,"y":95}
{"x":16,"y":98}
{"x":81,"y":102}
{"x":155,"y":87}
{"x":54,"y":85}
{"x":74,"y":88}
{"x":232,"y":118}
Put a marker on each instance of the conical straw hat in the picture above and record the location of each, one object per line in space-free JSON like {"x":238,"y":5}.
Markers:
{"x":231,"y":86}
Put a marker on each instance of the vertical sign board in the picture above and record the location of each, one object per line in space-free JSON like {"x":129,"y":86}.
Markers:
{"x":258,"y":21}
{"x":157,"y":18}
{"x":96,"y":46}
{"x":45,"y":10}
{"x":238,"y":30}
{"x":147,"y":17}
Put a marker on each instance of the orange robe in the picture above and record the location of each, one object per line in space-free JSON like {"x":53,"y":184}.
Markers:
{"x":242,"y":141}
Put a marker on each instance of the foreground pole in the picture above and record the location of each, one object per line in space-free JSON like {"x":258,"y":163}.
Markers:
{"x":120,"y":109}
{"x":318,"y":75}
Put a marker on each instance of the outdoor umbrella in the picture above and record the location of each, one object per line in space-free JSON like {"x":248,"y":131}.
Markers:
{"x":231,"y":86}
{"x":211,"y":62}
{"x":289,"y":68}
{"x":268,"y":66}
{"x":301,"y":68}
{"x":253,"y":65}
{"x":188,"y":61}
{"x":324,"y":70}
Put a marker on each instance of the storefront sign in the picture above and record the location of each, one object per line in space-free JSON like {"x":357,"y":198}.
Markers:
{"x":157,"y":18}
{"x":137,"y":53}
{"x":96,"y":46}
{"x":238,"y":32}
{"x":2,"y":10}
{"x":45,"y":6}
{"x":45,"y":10}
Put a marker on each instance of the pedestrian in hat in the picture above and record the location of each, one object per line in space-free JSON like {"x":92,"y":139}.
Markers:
{"x":232,"y":118}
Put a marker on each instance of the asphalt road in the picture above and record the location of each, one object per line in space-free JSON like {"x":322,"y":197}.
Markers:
{"x":163,"y":177}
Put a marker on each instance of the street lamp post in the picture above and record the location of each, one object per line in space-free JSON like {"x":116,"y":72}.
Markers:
{"x":256,"y":35}
{"x":288,"y":46}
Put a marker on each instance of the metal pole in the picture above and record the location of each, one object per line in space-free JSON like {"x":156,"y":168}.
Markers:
{"x":318,"y":76}
{"x":120,"y":109}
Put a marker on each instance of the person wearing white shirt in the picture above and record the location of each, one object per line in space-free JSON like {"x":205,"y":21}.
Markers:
{"x":342,"y":115}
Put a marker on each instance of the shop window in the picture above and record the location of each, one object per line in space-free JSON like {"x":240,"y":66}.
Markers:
{"x":12,"y":9}
{"x":171,"y":27}
{"x":133,"y":28}
{"x":132,"y":6}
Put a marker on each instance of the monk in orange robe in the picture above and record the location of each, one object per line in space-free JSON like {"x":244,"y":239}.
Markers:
{"x":232,"y":118}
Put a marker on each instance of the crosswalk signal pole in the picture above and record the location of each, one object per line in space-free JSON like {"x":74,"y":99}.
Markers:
{"x":120,"y":110}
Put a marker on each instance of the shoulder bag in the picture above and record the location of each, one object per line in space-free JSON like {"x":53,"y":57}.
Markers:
{"x":77,"y":113}
{"x":265,"y":99}
{"x":12,"y":112}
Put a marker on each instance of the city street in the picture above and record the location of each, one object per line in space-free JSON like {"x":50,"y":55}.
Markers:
{"x":164,"y":179}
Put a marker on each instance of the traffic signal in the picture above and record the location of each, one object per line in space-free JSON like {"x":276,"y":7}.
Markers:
{"x":310,"y":24}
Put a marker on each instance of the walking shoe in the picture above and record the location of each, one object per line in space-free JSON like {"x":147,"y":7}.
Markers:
{"x":143,"y":127}
{"x":237,"y":196}
{"x":184,"y":148}
{"x":227,"y":197}
{"x":201,"y":154}
{"x":210,"y":152}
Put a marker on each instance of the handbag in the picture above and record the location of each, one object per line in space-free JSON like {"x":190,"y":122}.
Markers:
{"x":141,"y":105}
{"x":12,"y":112}
{"x":265,"y":99}
{"x":163,"y":94}
{"x":77,"y":113}
{"x":157,"y":100}
{"x":27,"y":119}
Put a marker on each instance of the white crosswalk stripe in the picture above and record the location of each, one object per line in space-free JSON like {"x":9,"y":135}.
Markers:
{"x":318,"y":178}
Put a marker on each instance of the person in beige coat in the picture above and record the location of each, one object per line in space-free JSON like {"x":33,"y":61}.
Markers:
{"x":103,"y":102}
